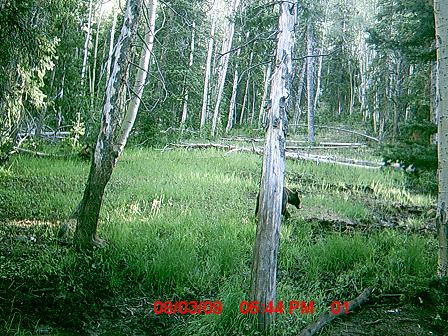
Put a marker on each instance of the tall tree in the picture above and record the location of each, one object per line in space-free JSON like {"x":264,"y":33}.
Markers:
{"x":310,"y":78}
{"x":142,"y":72}
{"x":264,"y":262}
{"x":224,"y":62}
{"x":106,"y":152}
{"x":208,"y":69}
{"x":441,"y":27}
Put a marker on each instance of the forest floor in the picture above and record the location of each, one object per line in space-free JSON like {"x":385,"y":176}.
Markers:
{"x":180,"y":226}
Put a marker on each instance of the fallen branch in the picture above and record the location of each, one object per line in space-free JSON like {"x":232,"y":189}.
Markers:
{"x":41,"y":154}
{"x":288,"y":154}
{"x":341,"y":130}
{"x":326,"y":318}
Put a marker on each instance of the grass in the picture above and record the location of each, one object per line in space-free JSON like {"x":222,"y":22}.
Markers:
{"x":180,"y":226}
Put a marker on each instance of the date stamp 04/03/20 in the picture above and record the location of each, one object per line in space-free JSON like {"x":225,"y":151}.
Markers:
{"x":245,"y":307}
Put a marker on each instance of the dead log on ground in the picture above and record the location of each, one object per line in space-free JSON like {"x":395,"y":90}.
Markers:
{"x":326,"y":318}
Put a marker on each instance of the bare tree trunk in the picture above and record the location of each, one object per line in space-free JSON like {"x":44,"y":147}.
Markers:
{"x":246,"y":90}
{"x":111,"y":42}
{"x":254,"y":94}
{"x":224,"y":62}
{"x":319,"y":76}
{"x":232,"y":106}
{"x":298,"y":97}
{"x":86,"y":44}
{"x":190,"y":64}
{"x":264,"y":263}
{"x":267,"y":80}
{"x":95,"y":58}
{"x":140,"y":78}
{"x":441,"y":25}
{"x":310,"y":79}
{"x":208,"y":68}
{"x":106,"y":153}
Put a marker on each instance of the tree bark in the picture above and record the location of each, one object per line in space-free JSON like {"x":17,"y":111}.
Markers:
{"x":441,"y":25}
{"x":223,"y":63}
{"x":106,"y":154}
{"x":298,"y":96}
{"x":112,"y":39}
{"x":267,"y":80}
{"x":208,"y":68}
{"x":140,"y":78}
{"x":264,"y":262}
{"x":190,"y":64}
{"x":310,"y":79}
{"x":232,"y":106}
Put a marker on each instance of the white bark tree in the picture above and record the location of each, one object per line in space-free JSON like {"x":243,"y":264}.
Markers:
{"x":140,"y":78}
{"x":267,"y":81}
{"x":208,"y":70}
{"x":310,"y":79}
{"x":186,"y":93}
{"x":106,"y":152}
{"x":441,"y":25}
{"x":224,"y":62}
{"x":264,"y":263}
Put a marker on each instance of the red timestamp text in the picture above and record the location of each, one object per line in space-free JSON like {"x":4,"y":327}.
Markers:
{"x":291,"y":307}
{"x":254,"y":307}
{"x":190,"y":307}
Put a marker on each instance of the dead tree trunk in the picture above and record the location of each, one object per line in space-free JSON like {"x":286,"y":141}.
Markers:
{"x":186,"y":93}
{"x":267,"y":80}
{"x":264,"y":262}
{"x":208,"y":69}
{"x":106,"y":153}
{"x":441,"y":24}
{"x":223,"y":63}
{"x":310,"y":79}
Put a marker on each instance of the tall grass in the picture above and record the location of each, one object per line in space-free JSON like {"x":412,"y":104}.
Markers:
{"x":180,"y":226}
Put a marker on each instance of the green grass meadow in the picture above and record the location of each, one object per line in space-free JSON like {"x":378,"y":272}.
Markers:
{"x":180,"y":225}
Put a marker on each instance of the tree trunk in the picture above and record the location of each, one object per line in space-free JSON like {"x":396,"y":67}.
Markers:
{"x":246,"y":90}
{"x":319,"y":76}
{"x":224,"y":62}
{"x":441,"y":25}
{"x":86,"y":44}
{"x":190,"y":64}
{"x":232,"y":106}
{"x":267,"y":80}
{"x":254,"y":94}
{"x":95,"y":58}
{"x":106,"y":153}
{"x":208,"y":68}
{"x":140,"y":78}
{"x":298,"y":97}
{"x":310,"y":79}
{"x":264,"y":263}
{"x":111,"y":42}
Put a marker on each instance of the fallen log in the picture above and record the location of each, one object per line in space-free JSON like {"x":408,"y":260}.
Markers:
{"x":288,"y":154}
{"x":326,"y":318}
{"x":320,"y":144}
{"x":340,"y":130}
{"x":41,"y":154}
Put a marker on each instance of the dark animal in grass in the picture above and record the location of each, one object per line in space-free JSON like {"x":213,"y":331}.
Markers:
{"x":289,"y":196}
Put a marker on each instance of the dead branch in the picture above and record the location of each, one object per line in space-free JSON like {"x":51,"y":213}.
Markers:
{"x":290,"y":155}
{"x":341,"y":130}
{"x":326,"y":318}
{"x":41,"y":154}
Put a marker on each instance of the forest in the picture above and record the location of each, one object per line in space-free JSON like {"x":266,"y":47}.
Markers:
{"x":223,"y":167}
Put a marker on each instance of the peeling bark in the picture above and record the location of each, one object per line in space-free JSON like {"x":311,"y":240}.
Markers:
{"x":264,"y":262}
